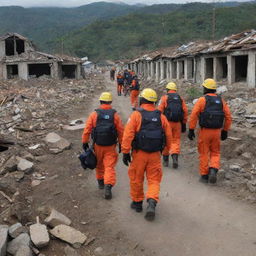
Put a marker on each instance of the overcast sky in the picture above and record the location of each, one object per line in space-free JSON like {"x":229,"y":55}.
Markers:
{"x":71,"y":3}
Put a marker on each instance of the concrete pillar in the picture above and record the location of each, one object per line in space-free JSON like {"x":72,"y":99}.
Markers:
{"x":186,"y":71}
{"x":4,"y":70}
{"x":179,"y":69}
{"x":157,"y":78}
{"x":148,"y":70}
{"x":55,"y":70}
{"x":203,"y":69}
{"x":152,"y":70}
{"x":161,"y":70}
{"x":170,"y":70}
{"x":78,"y":71}
{"x":23,"y":70}
{"x":251,"y":70}
{"x":231,"y":69}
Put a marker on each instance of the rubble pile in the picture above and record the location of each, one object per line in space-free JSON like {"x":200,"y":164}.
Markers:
{"x":19,"y":240}
{"x":32,"y":115}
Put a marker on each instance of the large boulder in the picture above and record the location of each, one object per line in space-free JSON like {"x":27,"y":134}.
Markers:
{"x":20,"y":241}
{"x":39,"y":235}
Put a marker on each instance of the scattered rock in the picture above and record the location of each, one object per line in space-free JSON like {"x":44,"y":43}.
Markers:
{"x":3,"y":239}
{"x":70,"y":251}
{"x":11,"y":165}
{"x":17,"y":243}
{"x":39,"y":234}
{"x":235,"y":168}
{"x":56,"y":218}
{"x":69,"y":235}
{"x":25,"y":165}
{"x":251,"y":108}
{"x":56,"y":143}
{"x":247,"y":155}
{"x":98,"y":251}
{"x":24,"y":250}
{"x":221,"y":175}
{"x":35,"y":183}
{"x":16,"y":229}
{"x":222,"y":89}
{"x":252,"y":185}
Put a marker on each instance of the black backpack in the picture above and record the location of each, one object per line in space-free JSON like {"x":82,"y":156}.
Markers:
{"x":105,"y":134}
{"x":213,"y":115}
{"x":151,"y":137}
{"x":174,"y":111}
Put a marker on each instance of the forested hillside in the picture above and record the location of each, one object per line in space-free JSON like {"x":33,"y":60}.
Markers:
{"x":129,"y":35}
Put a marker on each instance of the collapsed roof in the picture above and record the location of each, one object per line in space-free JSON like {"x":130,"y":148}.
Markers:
{"x":243,"y":41}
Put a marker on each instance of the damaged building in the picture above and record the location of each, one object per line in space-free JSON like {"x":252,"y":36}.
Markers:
{"x":230,"y":60}
{"x":19,"y":59}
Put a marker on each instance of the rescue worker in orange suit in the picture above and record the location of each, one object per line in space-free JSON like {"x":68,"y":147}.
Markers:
{"x":106,"y":128}
{"x":215,"y":121}
{"x":120,"y":83}
{"x":146,"y":133}
{"x":135,"y":90}
{"x":176,"y":112}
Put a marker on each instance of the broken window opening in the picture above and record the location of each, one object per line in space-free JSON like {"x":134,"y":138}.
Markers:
{"x":37,"y":70}
{"x":241,"y":64}
{"x":221,"y":68}
{"x":190,"y":68}
{"x":14,"y":46}
{"x":69,"y":71}
{"x":209,"y":68}
{"x":12,"y":71}
{"x":174,"y":70}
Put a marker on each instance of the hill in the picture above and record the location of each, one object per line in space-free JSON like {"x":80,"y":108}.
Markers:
{"x":44,"y":24}
{"x":127,"y":36}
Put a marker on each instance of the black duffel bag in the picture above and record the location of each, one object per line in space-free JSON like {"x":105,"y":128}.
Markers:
{"x":88,"y":159}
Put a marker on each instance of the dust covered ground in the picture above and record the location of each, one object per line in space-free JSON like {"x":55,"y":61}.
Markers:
{"x":31,"y":110}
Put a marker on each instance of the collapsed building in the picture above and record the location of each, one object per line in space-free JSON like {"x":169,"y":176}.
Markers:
{"x":232,"y":59}
{"x":19,"y":59}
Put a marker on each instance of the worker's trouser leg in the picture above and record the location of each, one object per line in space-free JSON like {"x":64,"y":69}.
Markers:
{"x":149,"y":163}
{"x":106,"y":162}
{"x":209,"y":149}
{"x":119,"y":89}
{"x":134,"y":98}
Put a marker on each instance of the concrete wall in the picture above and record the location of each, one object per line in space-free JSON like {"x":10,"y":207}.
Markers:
{"x":23,"y":70}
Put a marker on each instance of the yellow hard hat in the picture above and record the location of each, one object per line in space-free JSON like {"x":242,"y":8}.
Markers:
{"x":149,"y":94}
{"x":210,"y":84}
{"x":106,"y":96}
{"x":171,"y":86}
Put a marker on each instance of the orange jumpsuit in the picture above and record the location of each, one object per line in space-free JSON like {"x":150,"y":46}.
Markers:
{"x":144,"y":162}
{"x":134,"y":96}
{"x":209,"y":139}
{"x":106,"y":155}
{"x":119,"y":86}
{"x":175,"y":126}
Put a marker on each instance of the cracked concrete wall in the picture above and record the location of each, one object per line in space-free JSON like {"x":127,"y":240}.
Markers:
{"x":251,"y":70}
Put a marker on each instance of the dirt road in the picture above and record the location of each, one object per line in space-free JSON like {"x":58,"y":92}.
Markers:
{"x":192,"y":218}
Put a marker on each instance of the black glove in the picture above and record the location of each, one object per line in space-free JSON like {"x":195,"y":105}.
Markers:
{"x":119,"y":148}
{"x":85,"y":146}
{"x":224,"y":135}
{"x":191,"y":134}
{"x":183,"y":127}
{"x":126,"y":159}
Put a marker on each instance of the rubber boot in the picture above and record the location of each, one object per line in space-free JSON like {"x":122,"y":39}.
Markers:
{"x":108,"y":193}
{"x":204,"y":178}
{"x":212,"y":175}
{"x":150,"y":212}
{"x":175,"y":161}
{"x":165,"y":161}
{"x":137,"y":206}
{"x":101,"y":184}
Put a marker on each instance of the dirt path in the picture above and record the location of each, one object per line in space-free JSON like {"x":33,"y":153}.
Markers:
{"x":192,"y":219}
